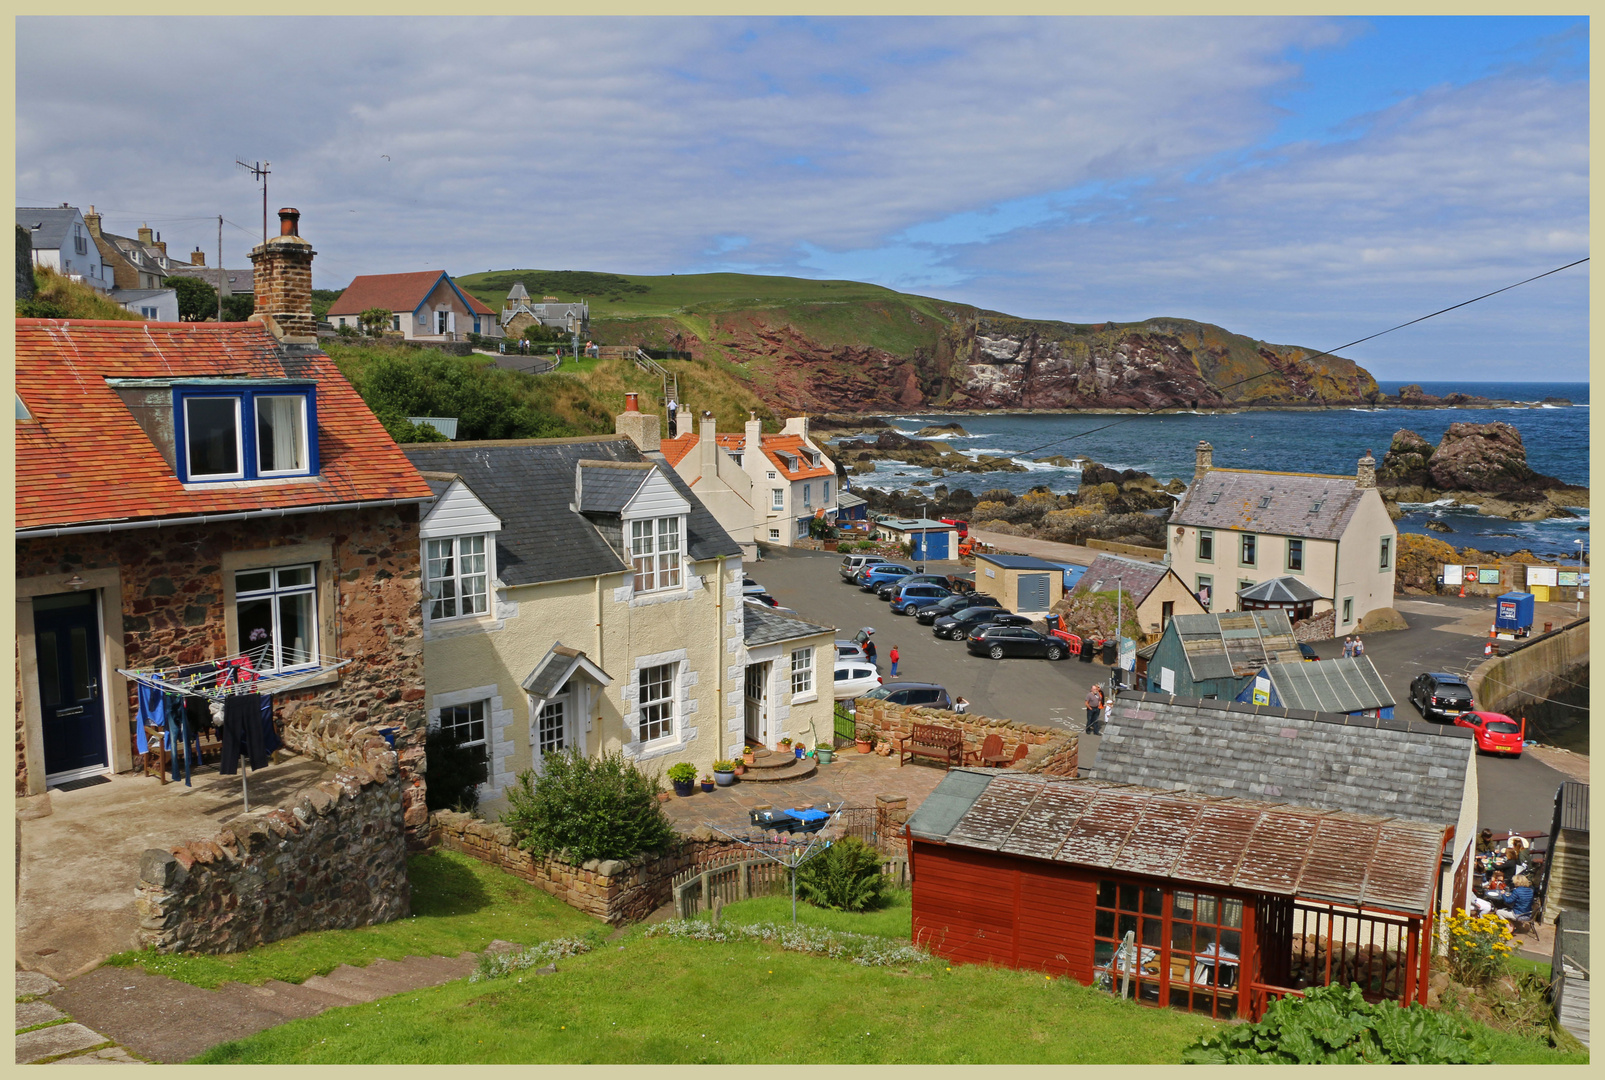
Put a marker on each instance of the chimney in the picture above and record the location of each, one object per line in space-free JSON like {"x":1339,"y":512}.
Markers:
{"x":197,"y":257}
{"x":1205,"y":460}
{"x":1366,"y":475}
{"x":92,"y":220}
{"x":796,"y":425}
{"x":161,"y":245}
{"x":146,"y":236}
{"x":283,"y":274}
{"x":708,"y":446}
{"x":640,"y":428}
{"x":752,"y":447}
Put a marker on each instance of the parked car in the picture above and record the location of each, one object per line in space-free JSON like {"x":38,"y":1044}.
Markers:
{"x":855,"y":680}
{"x":1000,"y":641}
{"x":886,"y":589}
{"x":960,"y":623}
{"x":956,"y":602}
{"x":909,"y":598}
{"x":927,"y":695}
{"x":873,"y":577}
{"x":850,"y":650}
{"x":1496,"y":733}
{"x":852,"y":564}
{"x":1307,"y":651}
{"x":762,"y":599}
{"x":1440,"y":695}
{"x":750,"y":587}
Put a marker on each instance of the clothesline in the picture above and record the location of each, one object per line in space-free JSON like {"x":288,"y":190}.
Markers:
{"x":238,"y":673}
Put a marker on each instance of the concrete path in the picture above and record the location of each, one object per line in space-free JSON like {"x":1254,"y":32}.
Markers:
{"x":124,"y":1015}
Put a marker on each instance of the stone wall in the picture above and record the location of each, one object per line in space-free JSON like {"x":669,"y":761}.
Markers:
{"x":1322,"y":627}
{"x":1529,"y":669}
{"x":173,"y":587}
{"x":618,"y":892}
{"x":1053,"y":751}
{"x":335,"y":857}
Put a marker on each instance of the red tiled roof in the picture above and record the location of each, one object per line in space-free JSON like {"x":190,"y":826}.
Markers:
{"x":393,"y":292}
{"x":83,"y":458}
{"x":476,"y":305}
{"x":677,"y":448}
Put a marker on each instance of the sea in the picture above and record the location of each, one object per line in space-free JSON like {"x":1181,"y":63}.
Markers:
{"x":1328,"y":441}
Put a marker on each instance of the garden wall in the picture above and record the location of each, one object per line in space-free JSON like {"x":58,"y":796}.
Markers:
{"x":1529,"y":669}
{"x":1053,"y":751}
{"x":336,"y":857}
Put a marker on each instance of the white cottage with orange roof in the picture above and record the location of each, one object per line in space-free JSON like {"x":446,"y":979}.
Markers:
{"x":761,"y":488}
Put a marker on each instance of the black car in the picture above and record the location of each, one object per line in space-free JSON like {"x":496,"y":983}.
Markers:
{"x":884,"y":589}
{"x":955,"y":603}
{"x":960,"y":623}
{"x":1000,"y":641}
{"x":1436,"y":694}
{"x":1308,"y":652}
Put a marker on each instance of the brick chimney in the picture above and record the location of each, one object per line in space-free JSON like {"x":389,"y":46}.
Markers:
{"x":283,"y":273}
{"x":707,"y":445}
{"x":640,"y":428}
{"x":92,"y":220}
{"x":1205,"y":459}
{"x":1366,"y":475}
{"x":197,"y":257}
{"x":146,"y":236}
{"x":160,"y":245}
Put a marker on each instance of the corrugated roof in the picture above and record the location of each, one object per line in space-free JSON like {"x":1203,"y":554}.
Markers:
{"x":1235,"y":643}
{"x":1282,"y":590}
{"x":1255,"y":846}
{"x":763,"y":626}
{"x":1286,"y":504}
{"x":1407,"y":769}
{"x":1137,"y":578}
{"x":1344,"y":685}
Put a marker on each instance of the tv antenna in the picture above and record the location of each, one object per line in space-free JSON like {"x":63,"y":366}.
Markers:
{"x":259,"y":171}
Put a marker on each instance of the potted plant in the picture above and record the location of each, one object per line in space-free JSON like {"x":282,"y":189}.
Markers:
{"x":824,"y":753}
{"x":748,"y":755}
{"x":800,"y":750}
{"x":707,"y":783}
{"x":684,"y":777}
{"x":864,"y":739}
{"x":724,"y":772}
{"x":785,"y":745}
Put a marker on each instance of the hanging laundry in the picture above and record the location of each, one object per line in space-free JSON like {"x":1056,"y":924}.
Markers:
{"x":152,"y":711}
{"x":242,"y":730}
{"x":270,"y":735}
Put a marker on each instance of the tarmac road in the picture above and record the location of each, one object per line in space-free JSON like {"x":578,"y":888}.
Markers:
{"x":1512,"y":793}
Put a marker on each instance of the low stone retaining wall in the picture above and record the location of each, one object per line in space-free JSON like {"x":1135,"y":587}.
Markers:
{"x":1529,"y":669}
{"x":1137,"y":551}
{"x":1053,"y":752}
{"x":335,"y":857}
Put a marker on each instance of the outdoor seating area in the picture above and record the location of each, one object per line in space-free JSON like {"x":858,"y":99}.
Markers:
{"x":935,"y":742}
{"x":1507,"y":876}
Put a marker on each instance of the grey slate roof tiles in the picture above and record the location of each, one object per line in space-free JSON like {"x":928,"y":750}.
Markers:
{"x":763,"y":626}
{"x":606,"y":487}
{"x":1361,"y":765}
{"x":1233,"y":498}
{"x":1137,"y":578}
{"x":53,"y":224}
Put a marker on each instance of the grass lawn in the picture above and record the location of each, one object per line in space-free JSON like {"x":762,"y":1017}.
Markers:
{"x":458,"y":904}
{"x":895,"y":920}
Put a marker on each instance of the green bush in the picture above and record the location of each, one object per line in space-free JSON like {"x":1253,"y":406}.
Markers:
{"x":452,"y":772}
{"x":587,"y":808}
{"x":845,"y":876}
{"x":684,"y":772}
{"x":1335,"y":1025}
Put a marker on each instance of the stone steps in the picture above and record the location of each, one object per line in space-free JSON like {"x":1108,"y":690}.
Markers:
{"x":797,"y":769}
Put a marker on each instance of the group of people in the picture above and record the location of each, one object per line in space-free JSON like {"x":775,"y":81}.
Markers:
{"x":1353,"y":646}
{"x":1505,"y":884}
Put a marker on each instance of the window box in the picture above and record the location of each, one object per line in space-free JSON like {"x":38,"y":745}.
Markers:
{"x":232,"y":432}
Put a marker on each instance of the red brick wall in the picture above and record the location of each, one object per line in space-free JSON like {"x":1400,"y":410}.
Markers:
{"x":173,"y":611}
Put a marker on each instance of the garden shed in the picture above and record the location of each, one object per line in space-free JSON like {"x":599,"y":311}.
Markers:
{"x":1216,"y":656}
{"x":927,"y":540}
{"x":1023,"y":584}
{"x":1210,"y":905}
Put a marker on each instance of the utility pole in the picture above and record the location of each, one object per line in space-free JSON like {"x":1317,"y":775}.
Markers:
{"x":221,"y":277}
{"x":259,"y":171}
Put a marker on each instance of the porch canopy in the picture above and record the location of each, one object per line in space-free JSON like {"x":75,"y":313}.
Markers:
{"x":548,"y":677}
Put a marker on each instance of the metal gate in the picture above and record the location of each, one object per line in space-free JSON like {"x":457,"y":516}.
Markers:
{"x":1033,"y":592}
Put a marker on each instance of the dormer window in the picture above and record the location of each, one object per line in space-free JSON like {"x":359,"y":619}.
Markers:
{"x":655,"y":553}
{"x":232,"y":432}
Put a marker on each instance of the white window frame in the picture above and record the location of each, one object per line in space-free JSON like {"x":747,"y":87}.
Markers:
{"x":485,"y":713}
{"x":306,"y":436}
{"x":461,"y":596}
{"x":777,"y":498}
{"x":669,"y":718}
{"x":802,"y":673}
{"x":239,"y":440}
{"x":1387,"y":554}
{"x":272,"y":593}
{"x":774,"y":534}
{"x":657,"y":566}
{"x":563,"y":703}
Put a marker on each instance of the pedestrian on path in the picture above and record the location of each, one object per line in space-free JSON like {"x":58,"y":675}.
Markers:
{"x":1359,"y":646}
{"x":1094,"y":707}
{"x":893,"y":656}
{"x":961,"y":706}
{"x":1348,"y":646}
{"x":674,"y":411}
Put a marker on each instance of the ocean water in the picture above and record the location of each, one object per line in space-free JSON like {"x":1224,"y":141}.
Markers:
{"x":1330,"y":441}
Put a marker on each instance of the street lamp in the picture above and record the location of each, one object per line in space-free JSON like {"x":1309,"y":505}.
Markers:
{"x":1579,"y":544}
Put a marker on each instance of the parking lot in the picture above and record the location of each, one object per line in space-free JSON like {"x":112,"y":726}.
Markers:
{"x":1512,"y":794}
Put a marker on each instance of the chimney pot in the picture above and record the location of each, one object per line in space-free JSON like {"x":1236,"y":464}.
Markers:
{"x":632,"y":402}
{"x":289,"y":221}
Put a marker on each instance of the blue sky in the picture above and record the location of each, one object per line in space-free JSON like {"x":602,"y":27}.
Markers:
{"x":1298,"y":180}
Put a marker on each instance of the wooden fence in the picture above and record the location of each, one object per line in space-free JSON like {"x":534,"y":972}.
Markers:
{"x":734,"y":877}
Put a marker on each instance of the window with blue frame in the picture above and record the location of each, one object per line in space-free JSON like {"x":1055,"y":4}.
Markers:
{"x":257,"y":432}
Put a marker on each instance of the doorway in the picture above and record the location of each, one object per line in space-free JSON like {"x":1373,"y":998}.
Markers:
{"x":71,"y":702}
{"x":756,"y":698}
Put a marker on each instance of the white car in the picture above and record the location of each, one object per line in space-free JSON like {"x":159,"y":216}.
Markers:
{"x":750,"y":587}
{"x":855,"y":679}
{"x":850,"y":650}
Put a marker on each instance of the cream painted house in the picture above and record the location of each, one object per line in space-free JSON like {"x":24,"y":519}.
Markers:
{"x":578,"y":595}
{"x":1236,"y":528}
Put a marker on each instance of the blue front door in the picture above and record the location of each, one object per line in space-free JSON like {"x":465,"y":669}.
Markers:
{"x":72,"y":710}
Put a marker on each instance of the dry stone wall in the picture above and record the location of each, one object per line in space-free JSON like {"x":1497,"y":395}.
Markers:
{"x":1052,"y":751}
{"x":335,"y":857}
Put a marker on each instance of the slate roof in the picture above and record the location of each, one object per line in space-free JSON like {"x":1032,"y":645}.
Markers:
{"x":518,"y":292}
{"x":529,"y":484}
{"x":1282,"y":590}
{"x":1137,"y":577}
{"x":846,"y":499}
{"x":1232,"y":498}
{"x":1362,"y":765}
{"x":53,"y":224}
{"x":1234,"y":643}
{"x":132,"y":296}
{"x":83,"y":458}
{"x":606,"y":487}
{"x":228,"y":282}
{"x":763,"y":626}
{"x":1020,"y":562}
{"x":1255,"y":846}
{"x":1343,"y":685}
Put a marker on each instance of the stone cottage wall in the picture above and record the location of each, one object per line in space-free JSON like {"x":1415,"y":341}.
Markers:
{"x":174,"y":612}
{"x":334,"y":857}
{"x":1053,"y":751}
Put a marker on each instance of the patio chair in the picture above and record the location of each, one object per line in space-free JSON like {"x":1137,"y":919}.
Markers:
{"x":1019,"y":754}
{"x":991,"y":746}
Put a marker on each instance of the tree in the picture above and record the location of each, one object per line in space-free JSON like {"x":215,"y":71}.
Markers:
{"x":238,"y":307}
{"x":375,"y":320}
{"x":24,"y":264}
{"x":197,"y":301}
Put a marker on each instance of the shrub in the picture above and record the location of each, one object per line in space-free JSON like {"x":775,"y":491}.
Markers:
{"x":587,"y":808}
{"x":1477,"y":946}
{"x":452,"y":772}
{"x":845,"y":876}
{"x":1335,"y":1025}
{"x":501,"y":965}
{"x":724,"y":765}
{"x":684,"y":772}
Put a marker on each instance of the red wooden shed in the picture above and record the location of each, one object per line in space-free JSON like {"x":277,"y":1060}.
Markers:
{"x":1212,"y":905}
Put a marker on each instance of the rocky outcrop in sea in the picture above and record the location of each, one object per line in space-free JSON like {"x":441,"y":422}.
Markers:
{"x":1481,"y":465}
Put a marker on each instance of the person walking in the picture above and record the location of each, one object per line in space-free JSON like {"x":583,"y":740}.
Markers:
{"x":869,"y":652}
{"x":893,"y":656}
{"x":674,"y":411}
{"x":960,"y":706}
{"x":1348,"y":647}
{"x":1359,"y":646}
{"x":1094,"y":708}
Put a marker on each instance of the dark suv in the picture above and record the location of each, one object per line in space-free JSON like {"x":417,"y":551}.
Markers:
{"x":1000,"y":641}
{"x":954,"y":603}
{"x":960,"y":623}
{"x":925,"y":694}
{"x":1441,"y":696}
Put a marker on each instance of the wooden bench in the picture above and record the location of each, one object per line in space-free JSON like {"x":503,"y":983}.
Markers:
{"x":932,"y":741}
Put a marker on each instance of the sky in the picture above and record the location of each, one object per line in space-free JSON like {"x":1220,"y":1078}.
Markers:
{"x":1302,"y":181}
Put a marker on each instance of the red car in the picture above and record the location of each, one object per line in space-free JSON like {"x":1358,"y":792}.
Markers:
{"x":1496,"y":733}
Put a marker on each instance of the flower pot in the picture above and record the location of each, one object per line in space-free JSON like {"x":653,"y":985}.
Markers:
{"x":865,"y":746}
{"x":825,"y":754}
{"x":683,"y":787}
{"x":741,"y":769}
{"x":707,"y":785}
{"x":724,"y":779}
{"x":747,"y":758}
{"x":800,"y":751}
